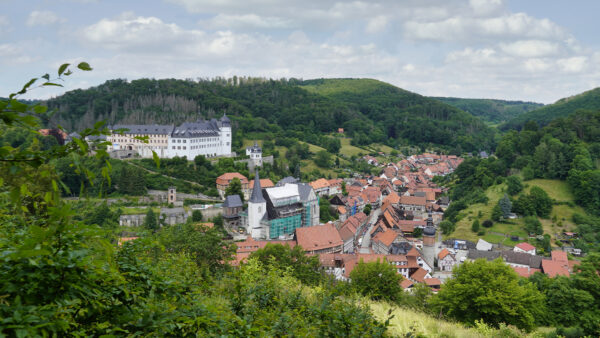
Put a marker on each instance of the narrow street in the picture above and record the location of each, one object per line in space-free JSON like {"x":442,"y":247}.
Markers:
{"x":366,"y":240}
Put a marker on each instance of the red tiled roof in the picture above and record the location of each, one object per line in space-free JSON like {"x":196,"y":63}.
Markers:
{"x":386,"y":237}
{"x":407,"y":283}
{"x":559,"y":256}
{"x":419,"y":275}
{"x":341,"y":210}
{"x":319,"y":184}
{"x":264,"y":183}
{"x":413,"y":200}
{"x":318,"y":237}
{"x":525,"y":246}
{"x":522,"y":271}
{"x":433,"y":282}
{"x":443,"y":253}
{"x":554,"y":268}
{"x":227,"y":177}
{"x":392,"y":198}
{"x":347,"y":231}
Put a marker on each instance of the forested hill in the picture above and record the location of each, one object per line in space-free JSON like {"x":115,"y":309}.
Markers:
{"x":589,"y":100}
{"x":370,"y":111}
{"x":490,"y":110}
{"x":405,"y":115}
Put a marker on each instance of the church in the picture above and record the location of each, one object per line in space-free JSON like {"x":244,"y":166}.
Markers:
{"x":274,"y":213}
{"x":209,"y":138}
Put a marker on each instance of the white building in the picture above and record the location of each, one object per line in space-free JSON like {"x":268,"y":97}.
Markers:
{"x":525,"y":247}
{"x":255,"y":153}
{"x":209,"y":138}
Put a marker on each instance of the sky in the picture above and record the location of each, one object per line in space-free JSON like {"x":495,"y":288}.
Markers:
{"x":530,"y":50}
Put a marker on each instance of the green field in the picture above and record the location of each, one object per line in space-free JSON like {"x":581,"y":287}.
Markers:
{"x":558,"y":190}
{"x":348,"y":150}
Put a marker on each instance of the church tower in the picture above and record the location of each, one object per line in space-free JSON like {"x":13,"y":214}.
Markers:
{"x":225,"y":135}
{"x":257,"y":208}
{"x":429,"y":241}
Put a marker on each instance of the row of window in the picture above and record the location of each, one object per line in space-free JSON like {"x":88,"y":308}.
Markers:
{"x":210,"y":139}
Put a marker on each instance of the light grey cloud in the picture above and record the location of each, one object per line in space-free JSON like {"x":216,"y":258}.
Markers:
{"x":43,"y":18}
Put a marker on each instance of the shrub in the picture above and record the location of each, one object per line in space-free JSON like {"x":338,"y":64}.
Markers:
{"x":487,"y":223}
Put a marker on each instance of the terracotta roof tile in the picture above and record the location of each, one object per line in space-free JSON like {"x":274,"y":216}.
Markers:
{"x":407,"y":283}
{"x":264,"y":183}
{"x":386,"y":237}
{"x":413,"y":200}
{"x":433,"y":282}
{"x":318,"y":237}
{"x":443,"y":253}
{"x":554,"y":268}
{"x":319,"y":184}
{"x":525,"y":246}
{"x":419,"y":275}
{"x":559,"y":256}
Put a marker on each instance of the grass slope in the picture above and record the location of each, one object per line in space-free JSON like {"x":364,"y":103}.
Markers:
{"x":562,"y":108}
{"x":558,"y":190}
{"x":410,"y":323}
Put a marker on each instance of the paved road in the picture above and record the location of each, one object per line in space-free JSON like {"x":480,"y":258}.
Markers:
{"x":366,"y":241}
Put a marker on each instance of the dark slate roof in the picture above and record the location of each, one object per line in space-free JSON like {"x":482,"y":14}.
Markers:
{"x":450,"y":243}
{"x":255,"y":148}
{"x":489,"y":255}
{"x":420,"y":194}
{"x":257,"y":195}
{"x":429,"y":231}
{"x":142,"y":129}
{"x":225,"y":119}
{"x":401,"y":248}
{"x":233,"y":201}
{"x":199,"y":128}
{"x":522,"y":258}
{"x":304,"y":191}
{"x":288,"y":179}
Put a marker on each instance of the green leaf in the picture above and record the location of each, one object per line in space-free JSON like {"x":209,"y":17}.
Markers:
{"x":62,"y":68}
{"x":84,"y":66}
{"x":27,"y":85}
{"x":46,"y":76}
{"x":51,"y":84}
{"x":99,"y":124}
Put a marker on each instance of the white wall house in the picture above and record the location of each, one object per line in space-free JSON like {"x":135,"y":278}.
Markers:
{"x":209,"y":138}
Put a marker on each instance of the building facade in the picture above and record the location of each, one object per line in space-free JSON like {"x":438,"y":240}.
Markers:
{"x":209,"y":138}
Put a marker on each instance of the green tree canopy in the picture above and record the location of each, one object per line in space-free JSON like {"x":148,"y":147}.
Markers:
{"x":282,"y":257}
{"x":378,"y":280}
{"x":490,"y":291}
{"x":151,"y":222}
{"x":514,"y":185}
{"x":235,"y":188}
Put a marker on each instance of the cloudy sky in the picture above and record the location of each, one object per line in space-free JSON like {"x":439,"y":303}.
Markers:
{"x":534,"y":50}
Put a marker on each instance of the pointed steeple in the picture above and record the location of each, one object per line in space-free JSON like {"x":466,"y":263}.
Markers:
{"x":257,"y":196}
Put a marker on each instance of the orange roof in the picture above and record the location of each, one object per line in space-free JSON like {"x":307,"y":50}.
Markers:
{"x":239,"y":258}
{"x":347,"y":231}
{"x":319,"y":184}
{"x":227,"y":177}
{"x":443,"y":253}
{"x":392,"y":198}
{"x":413,"y":252}
{"x":250,"y":245}
{"x":413,"y":200}
{"x":264,"y":183}
{"x":559,"y":256}
{"x":407,"y":283}
{"x":433,"y":282}
{"x":335,"y":181}
{"x":318,"y":237}
{"x":525,"y":246}
{"x":419,"y":275}
{"x":341,"y":210}
{"x":554,"y":268}
{"x":386,"y":237}
{"x":523,"y":271}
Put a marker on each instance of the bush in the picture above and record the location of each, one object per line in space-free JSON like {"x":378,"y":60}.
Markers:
{"x":487,"y":223}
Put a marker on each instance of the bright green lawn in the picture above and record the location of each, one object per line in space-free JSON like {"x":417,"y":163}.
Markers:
{"x":348,"y":150}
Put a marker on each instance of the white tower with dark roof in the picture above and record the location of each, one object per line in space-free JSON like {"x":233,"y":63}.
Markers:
{"x":257,"y":208}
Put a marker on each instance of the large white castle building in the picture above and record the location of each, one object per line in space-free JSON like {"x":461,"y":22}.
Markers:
{"x":209,"y":138}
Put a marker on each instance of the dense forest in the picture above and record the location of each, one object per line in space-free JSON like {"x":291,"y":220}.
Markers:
{"x":369,"y":111}
{"x":589,"y":100}
{"x":490,"y":110}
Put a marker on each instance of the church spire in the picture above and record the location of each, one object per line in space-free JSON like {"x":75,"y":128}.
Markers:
{"x":257,"y":196}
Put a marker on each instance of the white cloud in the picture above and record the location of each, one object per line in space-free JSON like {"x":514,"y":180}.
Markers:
{"x":4,"y":24}
{"x":229,"y":21}
{"x":530,"y":48}
{"x":377,"y":24}
{"x":43,"y":18}
{"x":485,"y":7}
{"x":573,"y":65}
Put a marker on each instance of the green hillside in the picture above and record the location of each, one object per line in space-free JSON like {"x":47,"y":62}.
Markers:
{"x":589,"y":100}
{"x":370,"y":111}
{"x":489,"y":110}
{"x":560,"y":220}
{"x":405,"y":115}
